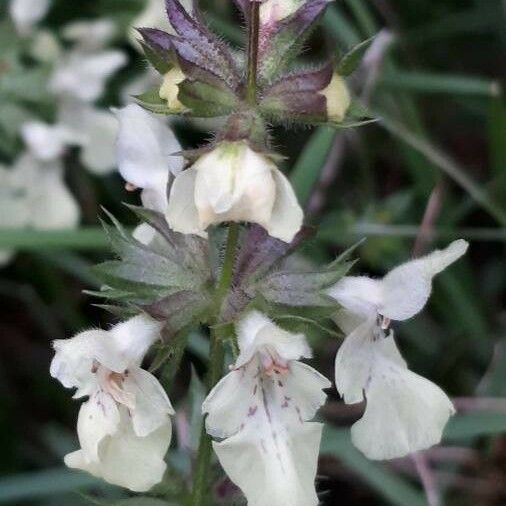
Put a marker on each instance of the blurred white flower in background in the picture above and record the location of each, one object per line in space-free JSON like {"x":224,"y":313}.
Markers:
{"x":124,"y":427}
{"x":33,"y":194}
{"x":234,"y":183}
{"x":27,"y":13}
{"x":261,"y":411}
{"x":46,"y":142}
{"x":78,"y":81}
{"x":45,"y":47}
{"x":405,"y":412}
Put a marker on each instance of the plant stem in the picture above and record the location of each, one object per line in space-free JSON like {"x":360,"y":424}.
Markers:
{"x":216,"y":357}
{"x":228,"y":264}
{"x":253,"y":35}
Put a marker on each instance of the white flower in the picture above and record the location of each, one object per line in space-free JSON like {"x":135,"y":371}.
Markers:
{"x":234,"y":183}
{"x":145,"y":145}
{"x":27,"y":13}
{"x":83,"y":75}
{"x":261,"y":409}
{"x":124,"y":427}
{"x":35,"y":195}
{"x":45,"y":47}
{"x":90,"y":35}
{"x":79,"y":80}
{"x":405,"y":413}
{"x":46,"y":142}
{"x":95,"y":132}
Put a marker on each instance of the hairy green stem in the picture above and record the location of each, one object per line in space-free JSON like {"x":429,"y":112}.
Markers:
{"x":253,"y":35}
{"x":216,"y":357}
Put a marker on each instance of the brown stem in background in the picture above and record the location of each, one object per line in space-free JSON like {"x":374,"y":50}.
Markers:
{"x":328,"y":174}
{"x":427,"y":479}
{"x":430,"y":216}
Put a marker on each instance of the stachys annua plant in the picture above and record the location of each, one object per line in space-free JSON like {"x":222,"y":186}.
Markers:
{"x":216,"y":248}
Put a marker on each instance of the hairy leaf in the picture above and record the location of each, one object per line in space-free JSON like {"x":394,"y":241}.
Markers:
{"x":151,"y":101}
{"x":196,"y":45}
{"x":352,"y":59}
{"x":206,"y":100}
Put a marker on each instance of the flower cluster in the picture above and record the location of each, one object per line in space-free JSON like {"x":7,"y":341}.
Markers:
{"x":71,"y":70}
{"x":217,"y":246}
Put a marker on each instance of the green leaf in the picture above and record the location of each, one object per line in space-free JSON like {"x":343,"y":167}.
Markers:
{"x":205,"y":100}
{"x":159,"y":59}
{"x":390,"y":485}
{"x":12,"y":116}
{"x":357,"y":115}
{"x":289,"y":38}
{"x":151,"y":101}
{"x":352,"y":59}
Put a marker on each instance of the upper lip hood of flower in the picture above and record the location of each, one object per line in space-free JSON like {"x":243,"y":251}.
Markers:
{"x":403,"y":292}
{"x":123,"y":345}
{"x":234,"y":183}
{"x":145,"y":146}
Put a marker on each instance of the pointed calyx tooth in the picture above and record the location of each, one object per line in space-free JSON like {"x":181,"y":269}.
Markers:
{"x":200,"y":52}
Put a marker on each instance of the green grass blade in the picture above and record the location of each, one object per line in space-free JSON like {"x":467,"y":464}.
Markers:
{"x":310,"y":162}
{"x":446,"y":164}
{"x":427,"y":82}
{"x":85,"y":238}
{"x":44,"y":483}
{"x":497,"y":133}
{"x":340,"y":27}
{"x":476,"y":424}
{"x":363,"y":16}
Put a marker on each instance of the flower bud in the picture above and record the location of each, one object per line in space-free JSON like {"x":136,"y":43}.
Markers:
{"x":234,"y":183}
{"x":273,"y":11}
{"x":338,"y":98}
{"x":169,"y":90}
